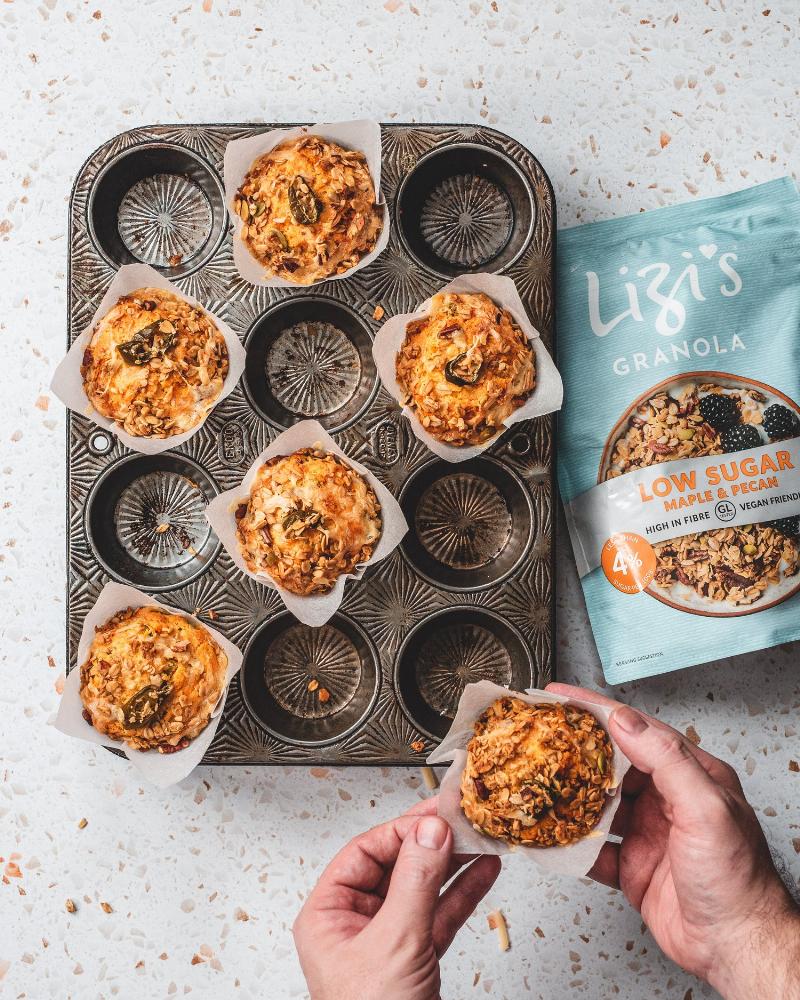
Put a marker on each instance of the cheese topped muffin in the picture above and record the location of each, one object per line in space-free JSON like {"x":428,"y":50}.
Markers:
{"x":152,"y":679}
{"x":465,"y":367}
{"x":536,"y":774}
{"x":309,"y":519}
{"x":155,"y":364}
{"x":308,"y":210}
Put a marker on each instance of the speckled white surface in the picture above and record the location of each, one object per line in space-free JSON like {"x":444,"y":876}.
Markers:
{"x":629,"y":106}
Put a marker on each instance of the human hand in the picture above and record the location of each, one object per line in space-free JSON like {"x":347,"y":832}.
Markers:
{"x":376,"y":925}
{"x":694,"y":861}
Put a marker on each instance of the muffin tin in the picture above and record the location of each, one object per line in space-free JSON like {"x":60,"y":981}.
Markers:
{"x":470,"y":593}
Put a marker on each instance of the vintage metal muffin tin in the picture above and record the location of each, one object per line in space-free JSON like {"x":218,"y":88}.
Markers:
{"x":470,"y":593}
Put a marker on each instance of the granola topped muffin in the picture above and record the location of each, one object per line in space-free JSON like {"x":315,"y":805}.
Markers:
{"x":465,"y":367}
{"x":310,"y":518}
{"x":152,"y":679}
{"x":155,"y":364}
{"x":728,"y":566}
{"x":308,"y":210}
{"x":536,"y":774}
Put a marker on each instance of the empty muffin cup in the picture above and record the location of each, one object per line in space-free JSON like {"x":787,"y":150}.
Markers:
{"x":145,"y":521}
{"x":450,"y":649}
{"x":465,"y":208}
{"x":310,"y":357}
{"x":310,"y":686}
{"x":159,"y":204}
{"x":471,"y":524}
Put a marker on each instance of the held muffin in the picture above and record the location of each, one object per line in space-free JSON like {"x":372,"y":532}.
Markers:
{"x":155,"y":364}
{"x":152,"y":679}
{"x":465,"y":367}
{"x":536,"y":774}
{"x":308,"y":210}
{"x":310,"y":518}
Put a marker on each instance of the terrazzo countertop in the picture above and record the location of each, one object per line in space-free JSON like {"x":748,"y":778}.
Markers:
{"x":628,"y":106}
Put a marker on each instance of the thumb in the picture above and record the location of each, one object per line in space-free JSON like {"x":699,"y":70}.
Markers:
{"x":664,"y":754}
{"x":419,"y":872}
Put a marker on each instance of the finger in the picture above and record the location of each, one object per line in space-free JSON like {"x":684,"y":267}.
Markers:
{"x":362,"y":863}
{"x":634,"y":782}
{"x":718,"y":769}
{"x":583,"y":694}
{"x":459,"y":900}
{"x":619,"y":824}
{"x":663,"y":754}
{"x":419,"y":873}
{"x":606,"y":868}
{"x":457,"y":862}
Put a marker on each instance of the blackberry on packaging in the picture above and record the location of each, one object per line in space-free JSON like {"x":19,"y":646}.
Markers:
{"x":719,"y":410}
{"x":741,"y":437}
{"x":780,"y":422}
{"x":789,"y":526}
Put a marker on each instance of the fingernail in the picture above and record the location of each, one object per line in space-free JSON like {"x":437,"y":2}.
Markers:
{"x":629,"y":720}
{"x":432,"y":833}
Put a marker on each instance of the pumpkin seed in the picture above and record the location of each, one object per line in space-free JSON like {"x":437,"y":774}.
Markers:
{"x":146,"y":344}
{"x":303,"y":202}
{"x":147,"y":706}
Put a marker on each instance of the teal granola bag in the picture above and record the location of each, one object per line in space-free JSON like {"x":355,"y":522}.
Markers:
{"x":679,"y":460}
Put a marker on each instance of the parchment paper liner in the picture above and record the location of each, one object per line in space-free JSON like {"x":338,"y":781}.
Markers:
{"x":240,"y":154}
{"x":159,"y":769}
{"x":545,"y":398}
{"x":316,"y":609}
{"x":574,"y":859}
{"x":67,"y":382}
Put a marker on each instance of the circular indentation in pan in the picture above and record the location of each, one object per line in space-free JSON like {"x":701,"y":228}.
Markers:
{"x":310,"y":686}
{"x":310,"y":357}
{"x":472,"y":523}
{"x":163,"y":217}
{"x":465,"y":208}
{"x":466,"y":220}
{"x":453,"y":648}
{"x":145,"y":520}
{"x":160,"y":204}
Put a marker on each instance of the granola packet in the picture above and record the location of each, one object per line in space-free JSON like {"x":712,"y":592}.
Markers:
{"x":679,"y":460}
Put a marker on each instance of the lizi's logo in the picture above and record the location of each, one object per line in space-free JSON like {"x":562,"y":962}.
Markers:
{"x":661,"y":287}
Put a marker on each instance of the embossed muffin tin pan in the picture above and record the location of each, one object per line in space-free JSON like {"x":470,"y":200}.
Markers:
{"x":470,"y":593}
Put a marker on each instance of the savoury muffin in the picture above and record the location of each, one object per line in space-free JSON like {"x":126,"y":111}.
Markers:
{"x":464,"y":368}
{"x":310,"y":518}
{"x":155,"y":364}
{"x":308,"y":210}
{"x":152,"y":679}
{"x":536,"y":774}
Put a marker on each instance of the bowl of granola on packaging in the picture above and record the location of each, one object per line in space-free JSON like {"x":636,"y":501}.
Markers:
{"x":731,"y":570}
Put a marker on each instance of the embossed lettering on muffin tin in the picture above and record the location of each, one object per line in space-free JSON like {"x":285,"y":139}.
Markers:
{"x":471,"y":593}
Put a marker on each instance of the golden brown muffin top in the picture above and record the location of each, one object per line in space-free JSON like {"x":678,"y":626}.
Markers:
{"x":536,"y":774}
{"x":308,"y":210}
{"x":155,"y":364}
{"x":465,"y":367}
{"x":152,"y":679}
{"x":309,"y":519}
